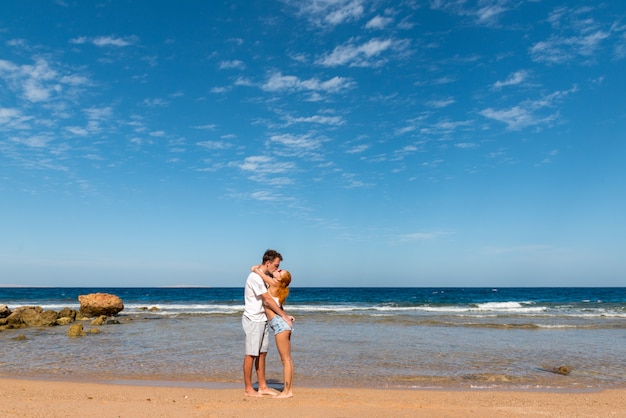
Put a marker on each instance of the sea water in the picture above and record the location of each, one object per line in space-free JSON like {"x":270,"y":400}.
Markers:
{"x":358,"y":337}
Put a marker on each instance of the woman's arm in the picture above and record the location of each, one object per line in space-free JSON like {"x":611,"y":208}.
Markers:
{"x":271,"y":282}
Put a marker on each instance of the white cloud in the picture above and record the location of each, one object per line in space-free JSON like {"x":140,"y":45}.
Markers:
{"x":559,"y":50}
{"x":264,"y":196}
{"x":277,"y":82}
{"x":210,"y":126}
{"x":106,"y":41}
{"x":329,"y":12}
{"x":228,"y":65}
{"x":214,"y":145}
{"x":76,"y":130}
{"x":99,"y":113}
{"x":378,"y":22}
{"x":358,"y":149}
{"x":39,"y":82}
{"x":515,"y":117}
{"x":466,"y":145}
{"x":156,"y":102}
{"x":319,"y":119}
{"x":490,"y":11}
{"x":577,"y":35}
{"x":13,"y":119}
{"x":441,"y":103}
{"x":528,"y":112}
{"x":513,"y":79}
{"x":485,"y":12}
{"x":364,"y":55}
{"x":260,"y":164}
{"x":302,"y":141}
{"x":34,"y":141}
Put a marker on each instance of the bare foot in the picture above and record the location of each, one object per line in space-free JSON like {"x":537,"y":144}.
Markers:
{"x":283,"y":395}
{"x":253,"y":394}
{"x":268,"y":391}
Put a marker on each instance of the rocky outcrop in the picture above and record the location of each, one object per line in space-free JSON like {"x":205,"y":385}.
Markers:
{"x":99,"y":320}
{"x":30,"y":316}
{"x":98,"y":304}
{"x":67,"y":313}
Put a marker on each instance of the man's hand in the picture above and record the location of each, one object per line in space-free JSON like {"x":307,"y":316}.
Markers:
{"x":288,"y":319}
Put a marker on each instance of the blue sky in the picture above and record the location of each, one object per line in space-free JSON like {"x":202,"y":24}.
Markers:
{"x":373,"y":143}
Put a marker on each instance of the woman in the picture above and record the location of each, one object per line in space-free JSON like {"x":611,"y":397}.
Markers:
{"x":279,"y":289}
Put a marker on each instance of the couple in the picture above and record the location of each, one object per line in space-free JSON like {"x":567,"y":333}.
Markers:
{"x":264,"y":294}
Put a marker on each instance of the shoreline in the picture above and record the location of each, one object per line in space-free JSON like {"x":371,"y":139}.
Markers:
{"x":163,"y":381}
{"x":70,"y":398}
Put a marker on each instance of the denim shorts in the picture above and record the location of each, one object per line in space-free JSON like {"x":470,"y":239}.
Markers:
{"x":278,"y":325}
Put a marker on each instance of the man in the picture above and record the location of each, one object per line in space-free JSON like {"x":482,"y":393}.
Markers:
{"x":254,"y":323}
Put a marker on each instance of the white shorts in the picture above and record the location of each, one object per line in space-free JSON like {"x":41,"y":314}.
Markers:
{"x":257,"y":336}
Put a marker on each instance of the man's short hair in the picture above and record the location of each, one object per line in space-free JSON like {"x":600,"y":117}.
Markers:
{"x":271,"y":255}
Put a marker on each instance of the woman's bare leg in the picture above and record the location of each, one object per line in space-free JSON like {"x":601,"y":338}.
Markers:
{"x":283,"y":344}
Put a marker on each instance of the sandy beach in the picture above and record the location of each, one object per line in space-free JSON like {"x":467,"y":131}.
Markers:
{"x":45,"y":398}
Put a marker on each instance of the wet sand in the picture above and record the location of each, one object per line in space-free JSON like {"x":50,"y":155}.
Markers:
{"x":45,"y":398}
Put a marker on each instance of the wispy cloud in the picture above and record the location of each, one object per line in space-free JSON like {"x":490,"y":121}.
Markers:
{"x":11,"y":118}
{"x":39,"y":82}
{"x":33,"y":141}
{"x":267,"y":170}
{"x":329,"y":12}
{"x":379,"y":22}
{"x":317,"y":119}
{"x":358,"y":149}
{"x":214,"y":145}
{"x":484,"y":12}
{"x":577,"y":35}
{"x":209,"y":127}
{"x":106,"y":41}
{"x":441,"y":103}
{"x":277,"y":82}
{"x":261,"y":164}
{"x":513,"y":79}
{"x":367,"y":54}
{"x":157,"y":102}
{"x":529,"y":113}
{"x":230,"y":65}
{"x":301,"y":146}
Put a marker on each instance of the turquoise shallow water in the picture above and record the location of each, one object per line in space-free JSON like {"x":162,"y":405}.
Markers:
{"x":411,"y":338}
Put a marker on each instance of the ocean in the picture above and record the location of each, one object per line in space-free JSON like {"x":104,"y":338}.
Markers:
{"x":414,"y":338}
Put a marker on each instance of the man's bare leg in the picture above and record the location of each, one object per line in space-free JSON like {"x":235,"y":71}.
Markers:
{"x":248,"y":363}
{"x":260,"y":373}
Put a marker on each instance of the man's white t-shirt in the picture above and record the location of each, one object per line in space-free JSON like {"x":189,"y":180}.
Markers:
{"x":255,"y":287}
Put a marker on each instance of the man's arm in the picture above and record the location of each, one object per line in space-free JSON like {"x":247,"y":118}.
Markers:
{"x":271,"y":303}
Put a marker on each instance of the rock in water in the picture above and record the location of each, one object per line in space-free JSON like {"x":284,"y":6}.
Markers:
{"x":4,"y":311}
{"x":76,"y":330}
{"x":31,"y":316}
{"x":97,"y":304}
{"x":564,"y":370}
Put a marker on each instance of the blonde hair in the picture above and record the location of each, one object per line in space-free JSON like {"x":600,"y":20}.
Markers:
{"x":283,"y":289}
